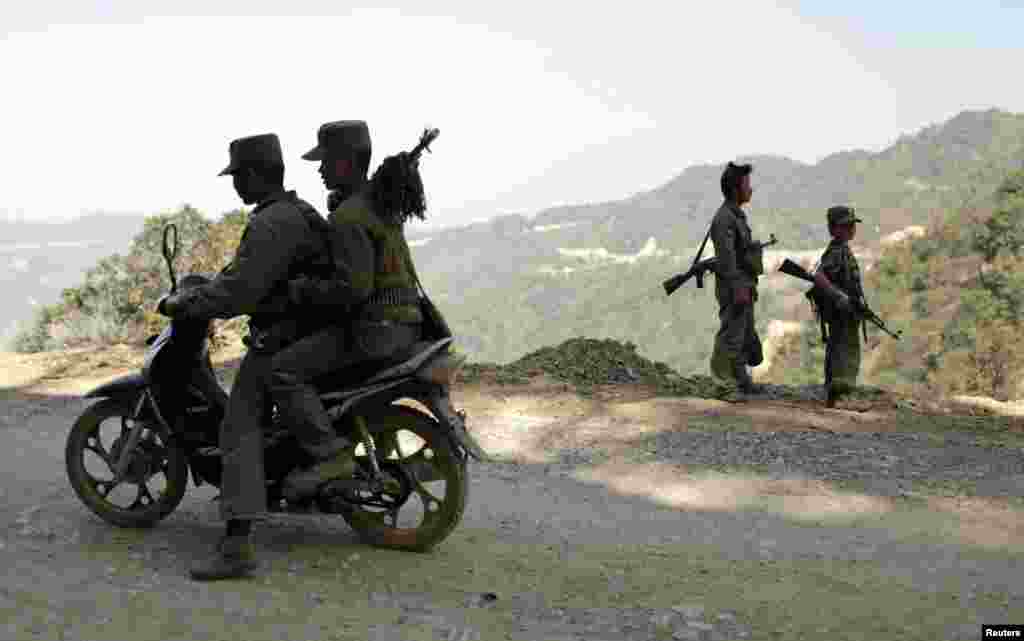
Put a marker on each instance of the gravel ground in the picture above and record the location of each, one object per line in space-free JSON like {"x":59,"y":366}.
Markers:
{"x":878,"y":460}
{"x":47,"y":527}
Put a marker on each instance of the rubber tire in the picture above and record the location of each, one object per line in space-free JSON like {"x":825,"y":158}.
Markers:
{"x":426,"y":427}
{"x":177,"y":471}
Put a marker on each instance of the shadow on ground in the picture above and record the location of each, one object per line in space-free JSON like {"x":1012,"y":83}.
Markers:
{"x":561,"y":524}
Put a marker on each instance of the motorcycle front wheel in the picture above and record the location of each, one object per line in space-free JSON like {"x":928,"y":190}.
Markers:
{"x":155,"y":480}
{"x":412,"y":448}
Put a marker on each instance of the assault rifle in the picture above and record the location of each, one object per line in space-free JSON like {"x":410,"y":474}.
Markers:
{"x":396,"y":186}
{"x":790,"y":268}
{"x":424,"y":144}
{"x":699,"y":269}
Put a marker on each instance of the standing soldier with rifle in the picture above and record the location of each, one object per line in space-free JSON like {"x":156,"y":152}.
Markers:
{"x":739,"y":263}
{"x":838,"y":275}
{"x":838,"y":301}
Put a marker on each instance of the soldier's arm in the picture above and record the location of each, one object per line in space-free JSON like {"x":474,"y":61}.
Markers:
{"x":268,"y":246}
{"x":354,"y":264}
{"x":827,"y":272}
{"x":723,"y":235}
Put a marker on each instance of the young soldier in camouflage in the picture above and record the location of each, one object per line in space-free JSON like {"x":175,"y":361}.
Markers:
{"x":371,"y":303}
{"x":838,"y":274}
{"x":736,"y":274}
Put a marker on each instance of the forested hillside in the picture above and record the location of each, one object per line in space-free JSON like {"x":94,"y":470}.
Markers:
{"x":958,"y":294}
{"x":515,"y":284}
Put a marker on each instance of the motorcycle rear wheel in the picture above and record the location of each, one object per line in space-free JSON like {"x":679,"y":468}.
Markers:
{"x":153,"y":456}
{"x":435,"y":461}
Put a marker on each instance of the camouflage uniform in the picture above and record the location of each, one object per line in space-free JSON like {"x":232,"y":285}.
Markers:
{"x":369,"y":307}
{"x":735,"y":343}
{"x":842,"y":354}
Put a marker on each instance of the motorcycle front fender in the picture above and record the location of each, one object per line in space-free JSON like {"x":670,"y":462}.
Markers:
{"x":127,"y":387}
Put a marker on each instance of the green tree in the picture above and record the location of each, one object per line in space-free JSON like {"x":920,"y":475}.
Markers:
{"x":1003,"y":231}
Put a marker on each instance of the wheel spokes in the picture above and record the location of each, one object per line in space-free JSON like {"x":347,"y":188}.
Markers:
{"x":94,"y":445}
{"x":103,"y":488}
{"x":422,"y":467}
{"x":143,"y":499}
{"x":409,"y":455}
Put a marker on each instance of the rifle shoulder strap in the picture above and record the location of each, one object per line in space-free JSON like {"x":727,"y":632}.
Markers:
{"x":412,"y":269}
{"x":700,"y":252}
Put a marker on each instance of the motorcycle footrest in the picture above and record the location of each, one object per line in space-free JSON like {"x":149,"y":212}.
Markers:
{"x":343,"y":485}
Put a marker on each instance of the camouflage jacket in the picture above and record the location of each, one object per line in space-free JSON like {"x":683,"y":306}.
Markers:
{"x":841,"y":268}
{"x":731,"y":236}
{"x":371,"y":257}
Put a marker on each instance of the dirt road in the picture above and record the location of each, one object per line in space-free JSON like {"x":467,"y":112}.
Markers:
{"x":618,"y":517}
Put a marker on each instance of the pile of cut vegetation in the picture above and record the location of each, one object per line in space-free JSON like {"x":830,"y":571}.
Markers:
{"x":586,"y":362}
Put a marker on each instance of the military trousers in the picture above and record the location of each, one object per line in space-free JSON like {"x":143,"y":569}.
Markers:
{"x":843,"y":355}
{"x":286,"y":377}
{"x":295,"y":368}
{"x":735,"y":340}
{"x":243,"y":490}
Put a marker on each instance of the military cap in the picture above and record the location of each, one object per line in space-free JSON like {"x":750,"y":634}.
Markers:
{"x":254,"y":151}
{"x":842,"y":215}
{"x":351,"y":134}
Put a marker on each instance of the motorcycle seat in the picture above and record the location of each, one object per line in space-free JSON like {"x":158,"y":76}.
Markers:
{"x":403,"y":363}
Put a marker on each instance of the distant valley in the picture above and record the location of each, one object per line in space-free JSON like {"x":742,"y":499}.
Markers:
{"x":38,"y":260}
{"x":513,"y":284}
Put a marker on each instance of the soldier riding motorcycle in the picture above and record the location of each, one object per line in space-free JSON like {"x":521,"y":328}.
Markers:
{"x":408,"y":462}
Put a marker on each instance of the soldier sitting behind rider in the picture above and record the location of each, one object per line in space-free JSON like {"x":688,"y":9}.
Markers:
{"x":838,"y":274}
{"x":371,"y":301}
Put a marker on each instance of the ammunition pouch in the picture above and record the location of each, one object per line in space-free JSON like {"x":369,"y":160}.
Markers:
{"x":754,"y":258}
{"x":376,"y":340}
{"x":397,"y":296}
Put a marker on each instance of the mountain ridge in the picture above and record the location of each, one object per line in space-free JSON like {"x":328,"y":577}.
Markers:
{"x":513,"y":284}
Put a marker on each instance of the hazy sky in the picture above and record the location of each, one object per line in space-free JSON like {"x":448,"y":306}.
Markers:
{"x":123,"y":106}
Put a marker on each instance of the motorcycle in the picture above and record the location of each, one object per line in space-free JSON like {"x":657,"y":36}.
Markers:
{"x":409,"y":491}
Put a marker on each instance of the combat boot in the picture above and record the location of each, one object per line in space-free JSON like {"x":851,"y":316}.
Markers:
{"x":742,"y":388}
{"x":235,"y":558}
{"x":832,"y":394}
{"x":303,"y":483}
